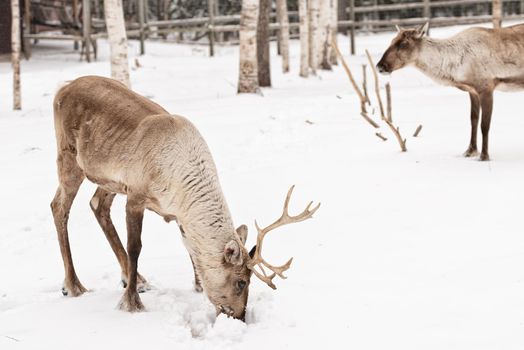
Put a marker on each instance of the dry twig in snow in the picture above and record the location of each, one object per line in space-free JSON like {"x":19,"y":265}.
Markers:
{"x":365,"y":83}
{"x":380,"y":136}
{"x":388,"y":102}
{"x":361,"y":96}
{"x":377,"y":87}
{"x":396,"y":131}
{"x":401,"y":141}
{"x":419,"y":128}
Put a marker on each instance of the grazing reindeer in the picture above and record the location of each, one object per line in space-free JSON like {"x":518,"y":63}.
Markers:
{"x":127,"y":144}
{"x":476,"y":60}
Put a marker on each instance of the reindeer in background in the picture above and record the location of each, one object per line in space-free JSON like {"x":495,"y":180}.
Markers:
{"x":128,"y":144}
{"x":476,"y":60}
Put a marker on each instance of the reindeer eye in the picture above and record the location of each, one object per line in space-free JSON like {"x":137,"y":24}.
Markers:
{"x":241,"y":284}
{"x":403,"y":45}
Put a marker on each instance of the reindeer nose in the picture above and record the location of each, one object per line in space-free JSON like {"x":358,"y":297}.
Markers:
{"x":381,"y":68}
{"x":226,"y":310}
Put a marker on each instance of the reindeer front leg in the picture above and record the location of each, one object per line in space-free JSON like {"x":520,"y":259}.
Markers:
{"x":101,"y":206}
{"x":475,"y":111}
{"x":134,"y":217}
{"x":197,"y":283}
{"x":486,"y":102}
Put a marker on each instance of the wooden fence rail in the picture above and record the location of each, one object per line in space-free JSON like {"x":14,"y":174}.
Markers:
{"x":94,"y":28}
{"x":376,"y":24}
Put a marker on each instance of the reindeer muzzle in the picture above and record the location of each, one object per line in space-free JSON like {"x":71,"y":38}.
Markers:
{"x":383,"y":68}
{"x":226,"y":310}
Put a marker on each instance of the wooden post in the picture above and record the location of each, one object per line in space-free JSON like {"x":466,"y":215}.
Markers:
{"x":15,"y":53}
{"x":279,"y":30}
{"x":211,"y":15}
{"x":342,"y":10}
{"x":86,"y":28}
{"x":141,"y":9}
{"x":220,"y":35}
{"x":76,"y":21}
{"x":427,"y":9}
{"x":427,"y":12}
{"x":497,"y":13}
{"x":158,"y":10}
{"x":375,"y":14}
{"x":97,"y":9}
{"x":27,"y":27}
{"x":352,"y":25}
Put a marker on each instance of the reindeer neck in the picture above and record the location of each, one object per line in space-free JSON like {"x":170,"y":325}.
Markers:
{"x":207,"y":224}
{"x":201,"y":208}
{"x":440,"y":59}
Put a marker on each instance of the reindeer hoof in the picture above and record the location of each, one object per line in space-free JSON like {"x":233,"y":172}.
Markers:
{"x":142,"y":285}
{"x":484,"y":157}
{"x":73,"y":289}
{"x":130,"y":302}
{"x":471,"y":153}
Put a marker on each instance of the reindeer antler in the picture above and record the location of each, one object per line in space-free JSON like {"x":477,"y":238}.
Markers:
{"x":284,"y":219}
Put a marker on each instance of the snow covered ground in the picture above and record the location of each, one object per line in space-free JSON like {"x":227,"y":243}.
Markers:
{"x":416,"y":250}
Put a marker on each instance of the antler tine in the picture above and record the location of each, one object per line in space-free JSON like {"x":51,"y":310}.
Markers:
{"x":288,"y":199}
{"x":284,"y":219}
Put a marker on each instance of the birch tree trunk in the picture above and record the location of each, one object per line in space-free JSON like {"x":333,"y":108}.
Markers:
{"x":116,"y":32}
{"x":314,"y":14}
{"x":248,"y":72}
{"x":304,"y":37}
{"x":284,"y":33}
{"x":264,"y":70}
{"x":15,"y":53}
{"x":497,"y":13}
{"x":324,"y":34}
{"x":334,"y":31}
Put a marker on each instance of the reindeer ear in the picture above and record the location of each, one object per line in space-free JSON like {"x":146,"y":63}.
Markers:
{"x":233,"y":253}
{"x":252,"y":251}
{"x":422,"y":30}
{"x":242,"y":233}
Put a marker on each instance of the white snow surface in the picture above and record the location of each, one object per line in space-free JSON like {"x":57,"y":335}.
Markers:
{"x":416,"y":250}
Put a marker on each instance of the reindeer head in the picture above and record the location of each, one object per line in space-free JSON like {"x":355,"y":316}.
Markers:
{"x":403,"y":49}
{"x":228,"y":287}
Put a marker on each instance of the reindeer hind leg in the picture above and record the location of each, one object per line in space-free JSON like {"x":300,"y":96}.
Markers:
{"x":475,"y":111}
{"x":486,"y":100}
{"x":70,"y":176}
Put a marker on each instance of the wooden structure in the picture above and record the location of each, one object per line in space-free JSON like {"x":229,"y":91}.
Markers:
{"x":76,"y":22}
{"x":383,"y":17}
{"x":5,"y":27}
{"x":71,"y":18}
